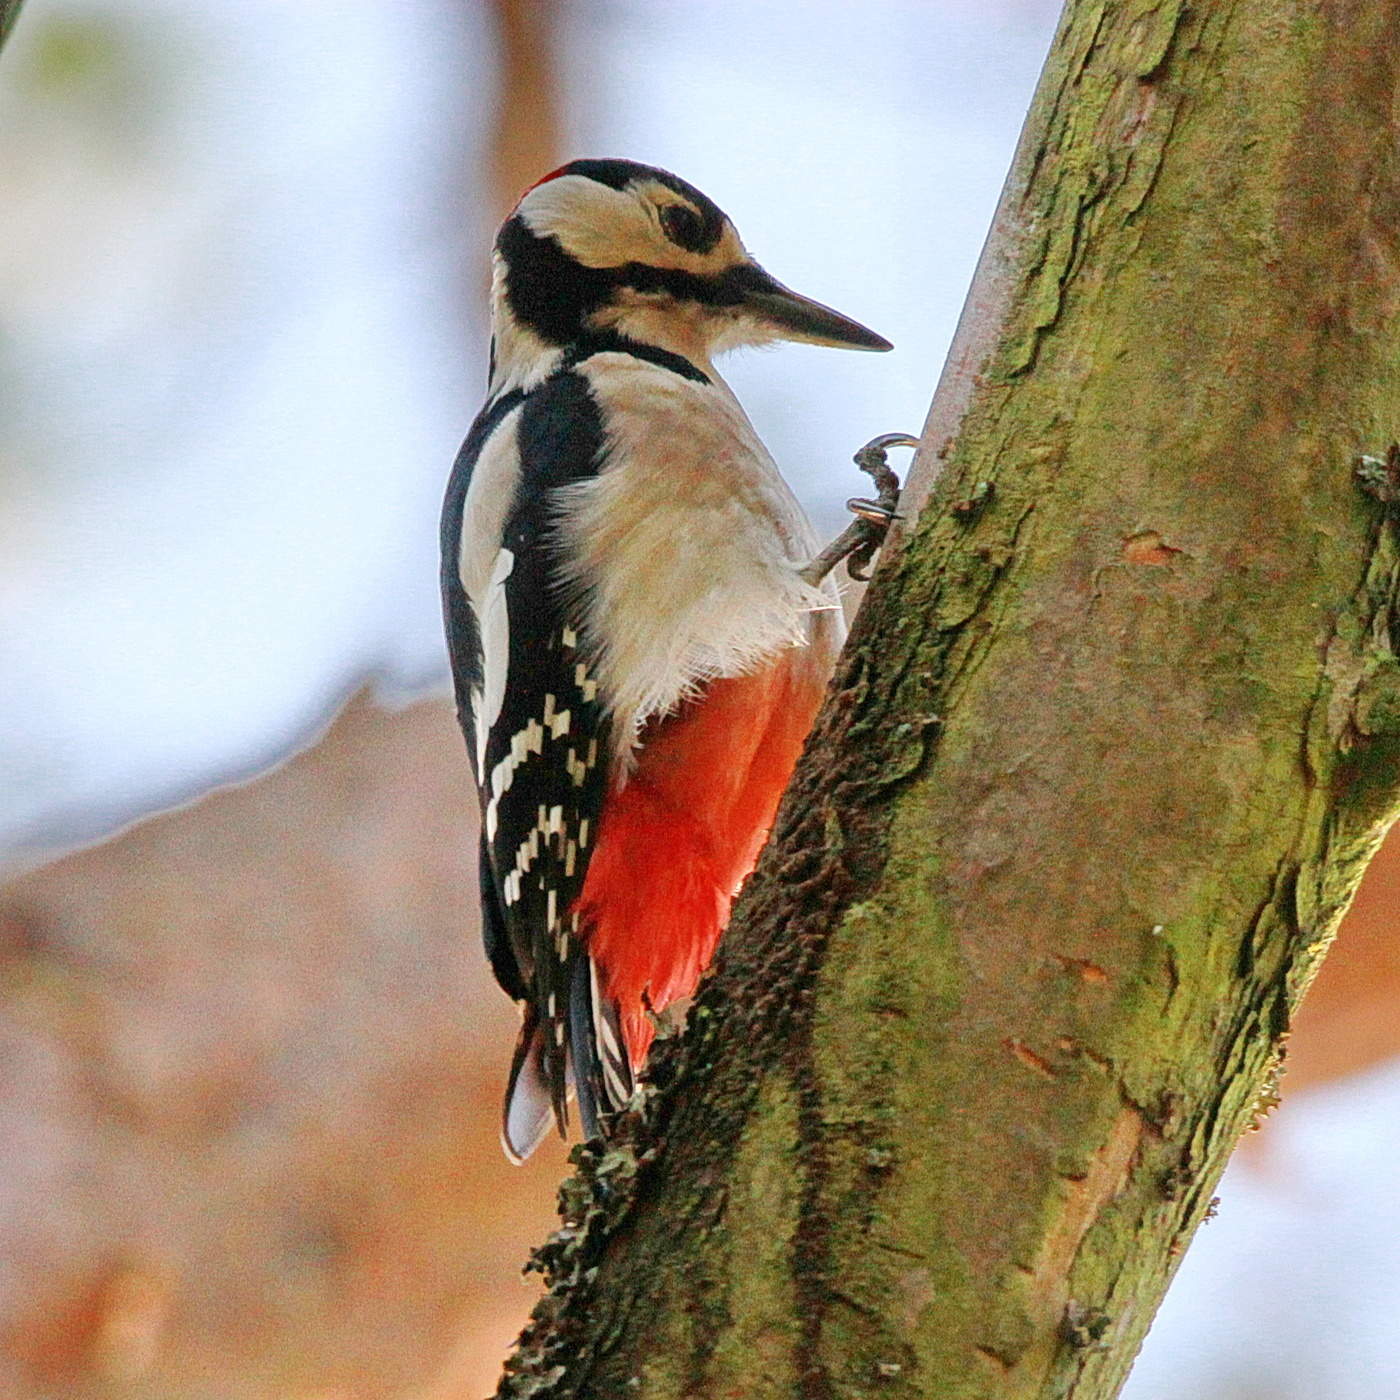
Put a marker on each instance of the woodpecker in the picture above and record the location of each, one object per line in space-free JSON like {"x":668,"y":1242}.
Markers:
{"x":639,"y":626}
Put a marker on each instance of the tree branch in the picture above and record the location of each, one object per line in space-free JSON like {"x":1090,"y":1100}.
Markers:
{"x":9,"y":13}
{"x":1115,"y":734}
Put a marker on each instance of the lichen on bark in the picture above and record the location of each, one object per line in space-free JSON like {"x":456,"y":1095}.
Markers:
{"x":1115,"y":734}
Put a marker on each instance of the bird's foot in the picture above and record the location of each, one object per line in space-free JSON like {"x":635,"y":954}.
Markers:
{"x":857,"y":543}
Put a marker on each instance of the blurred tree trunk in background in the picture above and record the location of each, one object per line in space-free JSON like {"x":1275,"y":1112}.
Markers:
{"x":528,"y":140}
{"x":9,"y":12}
{"x":1116,"y":733}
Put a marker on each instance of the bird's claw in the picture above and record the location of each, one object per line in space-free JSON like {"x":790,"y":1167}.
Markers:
{"x":871,"y":458}
{"x":860,"y":539}
{"x":875,"y":512}
{"x":875,"y":516}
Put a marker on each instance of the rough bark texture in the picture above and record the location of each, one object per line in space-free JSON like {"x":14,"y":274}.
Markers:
{"x":1115,"y":735}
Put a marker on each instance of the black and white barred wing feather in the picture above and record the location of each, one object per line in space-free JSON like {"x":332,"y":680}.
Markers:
{"x":539,"y":737}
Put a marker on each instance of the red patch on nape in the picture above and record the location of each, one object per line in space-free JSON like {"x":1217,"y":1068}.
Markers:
{"x":679,"y":838}
{"x":545,"y":179}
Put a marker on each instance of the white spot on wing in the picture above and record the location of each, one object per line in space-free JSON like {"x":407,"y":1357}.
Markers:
{"x":523,"y":743}
{"x":575,"y":769}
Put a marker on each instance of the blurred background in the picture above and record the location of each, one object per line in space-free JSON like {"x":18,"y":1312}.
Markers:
{"x":250,"y":1055}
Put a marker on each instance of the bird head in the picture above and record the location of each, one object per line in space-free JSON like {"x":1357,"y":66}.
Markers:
{"x":613,"y":246}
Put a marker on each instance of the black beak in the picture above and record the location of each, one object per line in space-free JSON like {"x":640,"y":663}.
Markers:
{"x":797,"y":317}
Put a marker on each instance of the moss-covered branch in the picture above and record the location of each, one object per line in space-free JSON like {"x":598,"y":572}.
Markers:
{"x":1116,"y":733}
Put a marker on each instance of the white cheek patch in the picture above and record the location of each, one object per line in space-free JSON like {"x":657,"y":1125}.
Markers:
{"x":602,"y":227}
{"x":597,"y":225}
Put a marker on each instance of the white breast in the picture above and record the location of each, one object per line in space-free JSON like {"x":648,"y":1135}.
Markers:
{"x":686,"y":547}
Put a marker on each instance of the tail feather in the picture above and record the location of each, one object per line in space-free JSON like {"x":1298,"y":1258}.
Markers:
{"x":587,"y":1075}
{"x":601,"y":1072}
{"x":529,"y":1102}
{"x":610,"y":1043}
{"x":598,"y":1069}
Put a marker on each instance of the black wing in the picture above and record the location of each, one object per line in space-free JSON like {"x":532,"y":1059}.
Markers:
{"x":464,"y":653}
{"x":544,"y":774}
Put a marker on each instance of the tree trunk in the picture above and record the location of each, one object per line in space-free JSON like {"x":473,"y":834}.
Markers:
{"x":1115,"y":734}
{"x":9,"y":13}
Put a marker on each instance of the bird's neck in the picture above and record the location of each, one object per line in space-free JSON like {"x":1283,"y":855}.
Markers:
{"x":521,"y":357}
{"x":673,"y":330}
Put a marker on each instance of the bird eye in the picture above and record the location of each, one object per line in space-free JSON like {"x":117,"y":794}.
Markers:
{"x":683,"y":226}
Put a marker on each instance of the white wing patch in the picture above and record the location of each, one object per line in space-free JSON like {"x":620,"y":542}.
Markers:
{"x":493,"y":619}
{"x":495,"y":480}
{"x":483,"y":567}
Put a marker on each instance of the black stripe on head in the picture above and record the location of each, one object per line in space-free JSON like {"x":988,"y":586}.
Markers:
{"x":547,"y":290}
{"x":697,"y":228}
{"x":615,"y":174}
{"x":555,"y":296}
{"x":727,"y":289}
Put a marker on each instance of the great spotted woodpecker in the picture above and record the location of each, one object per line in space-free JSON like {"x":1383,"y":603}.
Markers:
{"x":639,"y":636}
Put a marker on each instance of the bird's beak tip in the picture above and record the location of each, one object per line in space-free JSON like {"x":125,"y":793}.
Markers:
{"x":796,"y":317}
{"x":845,"y":334}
